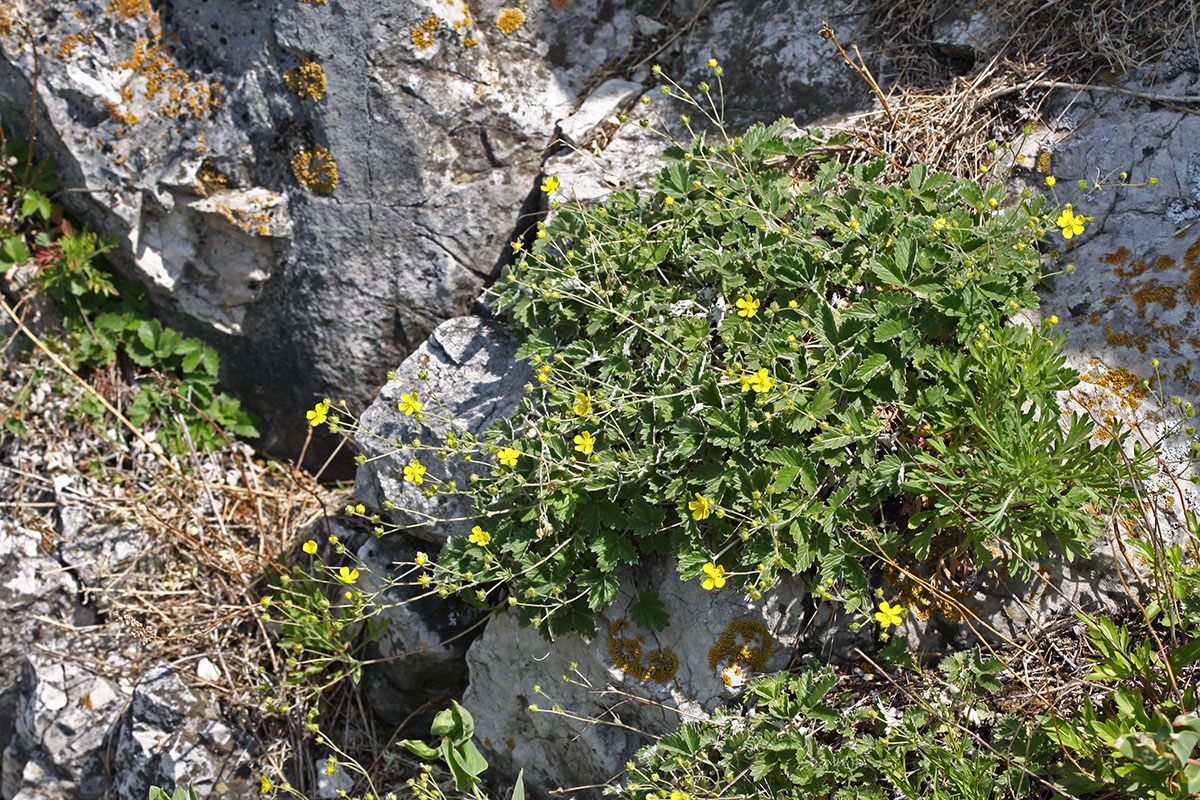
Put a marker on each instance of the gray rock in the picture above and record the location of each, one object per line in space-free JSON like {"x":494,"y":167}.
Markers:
{"x":603,"y":102}
{"x":685,"y":670}
{"x":63,"y":717}
{"x":308,"y":294}
{"x":423,"y":650}
{"x":35,"y":588}
{"x":173,"y":736}
{"x":104,"y":557}
{"x":471,"y":379}
{"x":629,"y":161}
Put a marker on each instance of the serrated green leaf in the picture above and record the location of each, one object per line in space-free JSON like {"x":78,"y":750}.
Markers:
{"x":649,"y":612}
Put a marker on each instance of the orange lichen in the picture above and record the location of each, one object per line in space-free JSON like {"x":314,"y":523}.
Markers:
{"x":121,"y":10}
{"x":170,"y":91}
{"x":67,"y":48}
{"x":316,"y":169}
{"x":1117,"y":338}
{"x":209,"y":179}
{"x":1124,"y":385}
{"x":626,"y":653}
{"x":1191,"y":265}
{"x":559,"y":3}
{"x":1045,"y":161}
{"x":1154,"y":292}
{"x":432,"y":24}
{"x":306,"y":80}
{"x":744,"y":647}
{"x":1165,"y":262}
{"x":1120,"y":256}
{"x":510,"y":20}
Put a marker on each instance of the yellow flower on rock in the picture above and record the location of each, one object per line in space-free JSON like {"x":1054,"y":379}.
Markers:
{"x":761,"y":382}
{"x":888,"y":614}
{"x":319,"y":413}
{"x":1070,"y":224}
{"x":701,"y":507}
{"x":714,"y":577}
{"x":508,"y":456}
{"x":309,"y":547}
{"x":583,"y":404}
{"x":747,"y":305}
{"x":409,"y":404}
{"x":479,"y":536}
{"x":550,"y":185}
{"x":585,"y":443}
{"x":347,"y":575}
{"x":415,"y":472}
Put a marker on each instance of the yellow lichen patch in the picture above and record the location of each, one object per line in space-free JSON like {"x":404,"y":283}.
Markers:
{"x":421,"y":38}
{"x":559,"y":3}
{"x":1165,"y":262}
{"x":1045,"y":161}
{"x":660,"y":665}
{"x":168,"y":90}
{"x":1124,"y":385}
{"x":742,"y":649}
{"x":316,"y":169}
{"x":510,"y":20}
{"x":209,"y":179}
{"x":432,"y":24}
{"x":306,"y":80}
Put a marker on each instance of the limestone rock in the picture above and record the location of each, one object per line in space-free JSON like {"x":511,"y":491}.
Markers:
{"x":171,"y":735}
{"x":424,"y":647}
{"x":471,"y":378}
{"x":192,"y":133}
{"x":686,"y":669}
{"x":63,"y":717}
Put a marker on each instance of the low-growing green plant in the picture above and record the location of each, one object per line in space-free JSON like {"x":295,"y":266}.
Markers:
{"x":454,"y":727}
{"x":805,"y":735}
{"x":180,"y":793}
{"x":775,"y":364}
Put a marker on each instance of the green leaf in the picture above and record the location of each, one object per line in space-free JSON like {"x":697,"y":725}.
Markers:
{"x":443,"y":723}
{"x":649,"y":612}
{"x":518,"y":792}
{"x":420,"y":749}
{"x":15,"y":250}
{"x":890,"y":329}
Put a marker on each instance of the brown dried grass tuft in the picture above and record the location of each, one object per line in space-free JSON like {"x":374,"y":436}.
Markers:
{"x":934,"y":113}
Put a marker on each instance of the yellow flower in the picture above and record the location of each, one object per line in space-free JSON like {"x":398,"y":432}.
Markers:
{"x":762,"y":381}
{"x":1050,"y":181}
{"x":669,"y":201}
{"x":319,"y":413}
{"x":1071,"y":224}
{"x":888,"y":614}
{"x":712,"y":62}
{"x":330,"y":768}
{"x":550,"y":185}
{"x":938,"y":224}
{"x":479,"y":536}
{"x":585,"y":443}
{"x":264,"y":781}
{"x":347,"y":575}
{"x":583,"y":404}
{"x":677,"y":795}
{"x":421,"y":559}
{"x":409,"y":404}
{"x":415,"y":472}
{"x":543,"y":373}
{"x":309,"y":547}
{"x":508,"y":456}
{"x":714,"y":577}
{"x":747,"y":305}
{"x":424,"y":580}
{"x":360,"y":509}
{"x":701,"y":507}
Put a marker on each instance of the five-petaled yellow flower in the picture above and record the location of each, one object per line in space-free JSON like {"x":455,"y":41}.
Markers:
{"x":1050,"y":181}
{"x":309,"y":547}
{"x":264,"y":781}
{"x":585,"y":443}
{"x":761,"y":381}
{"x":714,"y":577}
{"x":550,"y":185}
{"x":479,"y":536}
{"x":508,"y":456}
{"x":889,"y":614}
{"x":1071,"y":224}
{"x":319,"y":413}
{"x":747,"y":305}
{"x":583,"y":404}
{"x":701,"y":507}
{"x":409,"y":404}
{"x":347,"y":575}
{"x":415,"y":472}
